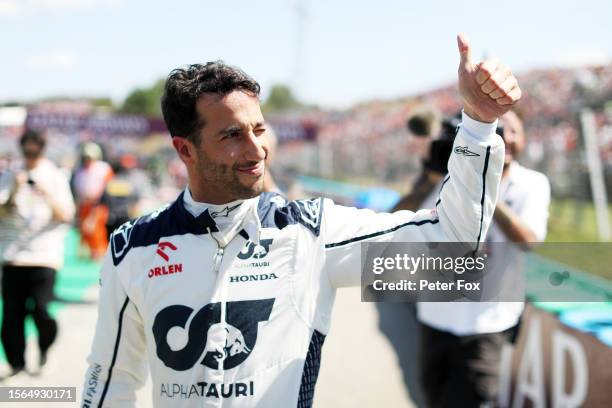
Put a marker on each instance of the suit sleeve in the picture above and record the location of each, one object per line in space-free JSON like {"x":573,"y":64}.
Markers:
{"x":462,"y":213}
{"x":117,"y":364}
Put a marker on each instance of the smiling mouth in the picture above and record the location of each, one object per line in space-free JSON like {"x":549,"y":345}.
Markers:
{"x":254,"y":170}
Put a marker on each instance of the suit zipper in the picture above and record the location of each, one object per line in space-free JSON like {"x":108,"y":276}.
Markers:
{"x":218,"y":258}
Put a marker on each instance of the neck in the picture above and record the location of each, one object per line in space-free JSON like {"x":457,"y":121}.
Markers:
{"x":506,"y":170}
{"x":31,"y":163}
{"x":202,"y":195}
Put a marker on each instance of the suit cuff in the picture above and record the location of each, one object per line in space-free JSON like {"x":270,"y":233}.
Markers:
{"x":482,"y":132}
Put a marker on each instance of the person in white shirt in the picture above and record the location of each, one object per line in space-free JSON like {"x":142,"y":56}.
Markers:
{"x":36,"y":206}
{"x":460,"y":343}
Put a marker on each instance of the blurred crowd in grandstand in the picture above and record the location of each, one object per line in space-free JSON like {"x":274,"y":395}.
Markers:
{"x":550,"y":108}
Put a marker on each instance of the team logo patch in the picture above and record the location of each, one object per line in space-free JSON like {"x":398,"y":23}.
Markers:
{"x":257,"y":251}
{"x":205,"y":339}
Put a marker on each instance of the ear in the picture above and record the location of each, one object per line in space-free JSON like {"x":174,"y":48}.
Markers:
{"x":185,"y":149}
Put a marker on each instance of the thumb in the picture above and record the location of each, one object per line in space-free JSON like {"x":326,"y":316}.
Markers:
{"x":464,"y":50}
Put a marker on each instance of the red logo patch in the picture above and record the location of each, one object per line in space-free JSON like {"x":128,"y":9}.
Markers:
{"x":162,"y":246}
{"x":165,"y":270}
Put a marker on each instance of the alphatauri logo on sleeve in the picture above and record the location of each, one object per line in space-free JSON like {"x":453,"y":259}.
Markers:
{"x":185,"y":337}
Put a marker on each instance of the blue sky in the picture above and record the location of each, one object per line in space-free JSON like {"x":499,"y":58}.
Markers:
{"x":351,"y":50}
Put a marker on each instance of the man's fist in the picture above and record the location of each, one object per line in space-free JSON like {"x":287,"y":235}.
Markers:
{"x":488,"y":89}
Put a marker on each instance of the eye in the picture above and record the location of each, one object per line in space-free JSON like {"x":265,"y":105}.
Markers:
{"x":232,"y":135}
{"x":260,"y":131}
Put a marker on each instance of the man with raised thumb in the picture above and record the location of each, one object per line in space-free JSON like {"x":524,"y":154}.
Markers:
{"x":255,"y":262}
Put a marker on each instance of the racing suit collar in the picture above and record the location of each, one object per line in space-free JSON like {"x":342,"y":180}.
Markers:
{"x":224,"y":221}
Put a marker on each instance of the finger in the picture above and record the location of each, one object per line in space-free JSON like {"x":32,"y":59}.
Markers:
{"x":495,"y":81}
{"x":502,"y":90}
{"x":465,"y":51}
{"x":505,"y":88}
{"x":485,"y":70}
{"x":512,"y":97}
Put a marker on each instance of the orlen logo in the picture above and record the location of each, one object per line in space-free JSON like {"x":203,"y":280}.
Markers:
{"x":180,"y":345}
{"x":165,"y":269}
{"x":162,"y":246}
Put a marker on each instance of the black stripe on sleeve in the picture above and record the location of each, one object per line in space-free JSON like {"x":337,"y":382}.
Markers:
{"x":378,"y":233}
{"x":440,"y":191}
{"x":445,"y":181}
{"x":110,"y":369}
{"x":484,"y":184}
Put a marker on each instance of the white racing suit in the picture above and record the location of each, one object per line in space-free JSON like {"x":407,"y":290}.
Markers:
{"x":243,"y":325}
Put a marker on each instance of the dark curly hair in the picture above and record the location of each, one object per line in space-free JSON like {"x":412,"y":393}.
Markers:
{"x":32,"y":136}
{"x":185,"y":85}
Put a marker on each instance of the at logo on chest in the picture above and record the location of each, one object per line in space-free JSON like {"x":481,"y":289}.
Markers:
{"x":252,"y":250}
{"x":185,"y":337}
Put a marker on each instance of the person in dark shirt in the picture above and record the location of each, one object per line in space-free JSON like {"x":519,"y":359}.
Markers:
{"x":122,"y":194}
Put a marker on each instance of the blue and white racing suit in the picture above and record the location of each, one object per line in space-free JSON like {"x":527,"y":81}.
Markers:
{"x":242,"y":325}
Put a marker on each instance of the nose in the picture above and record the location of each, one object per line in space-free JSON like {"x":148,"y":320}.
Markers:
{"x":256,"y":147}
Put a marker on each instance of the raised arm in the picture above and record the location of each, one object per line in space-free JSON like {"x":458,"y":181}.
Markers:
{"x":467,"y":199}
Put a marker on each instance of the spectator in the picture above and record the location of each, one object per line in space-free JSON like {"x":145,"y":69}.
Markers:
{"x":36,"y":205}
{"x":122,"y":193}
{"x":460,"y":343}
{"x":88,"y":183}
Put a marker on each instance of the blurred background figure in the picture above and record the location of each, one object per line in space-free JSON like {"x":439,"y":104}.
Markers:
{"x":426,"y":125}
{"x":122,"y":195}
{"x":88,"y":183}
{"x":36,"y":207}
{"x":460,"y":344}
{"x":450,"y":352}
